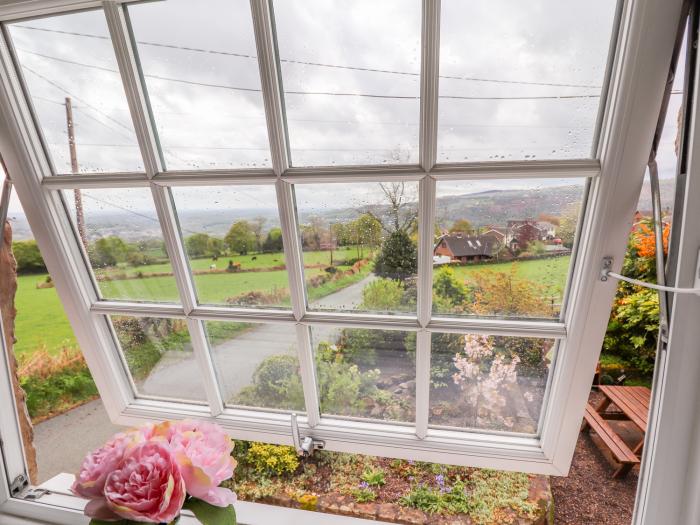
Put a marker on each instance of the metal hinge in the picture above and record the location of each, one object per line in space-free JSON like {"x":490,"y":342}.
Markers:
{"x":18,"y":485}
{"x":307,"y":445}
{"x":20,"y":488}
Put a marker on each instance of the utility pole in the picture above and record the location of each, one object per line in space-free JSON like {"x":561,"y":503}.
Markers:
{"x":79,"y":214}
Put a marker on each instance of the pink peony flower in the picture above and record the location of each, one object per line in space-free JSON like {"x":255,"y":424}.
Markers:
{"x":100,"y":463}
{"x":148,"y":486}
{"x":203,"y":452}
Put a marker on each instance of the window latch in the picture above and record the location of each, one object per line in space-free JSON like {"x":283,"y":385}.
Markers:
{"x":307,"y":445}
{"x":20,"y":488}
{"x":606,"y":273}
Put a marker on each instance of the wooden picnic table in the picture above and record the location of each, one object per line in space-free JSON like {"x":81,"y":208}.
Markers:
{"x":633,"y":405}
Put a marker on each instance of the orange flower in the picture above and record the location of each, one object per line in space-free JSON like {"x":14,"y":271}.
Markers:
{"x":645,"y":240}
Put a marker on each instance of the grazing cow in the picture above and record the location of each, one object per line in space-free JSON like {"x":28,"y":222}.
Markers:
{"x":212,"y":266}
{"x":254,"y":258}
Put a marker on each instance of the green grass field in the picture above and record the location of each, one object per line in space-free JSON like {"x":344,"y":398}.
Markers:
{"x":41,"y":321}
{"x":261,"y":260}
{"x":550,"y":273}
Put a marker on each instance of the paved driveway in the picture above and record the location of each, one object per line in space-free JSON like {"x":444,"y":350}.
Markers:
{"x":62,"y":441}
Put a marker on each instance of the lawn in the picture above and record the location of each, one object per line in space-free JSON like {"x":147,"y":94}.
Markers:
{"x":41,"y":321}
{"x":551,"y":272}
{"x":257,"y":260}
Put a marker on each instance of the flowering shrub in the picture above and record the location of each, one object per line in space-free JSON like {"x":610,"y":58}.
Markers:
{"x":485,"y":377}
{"x":634,"y":320}
{"x":272,"y":460}
{"x":149,"y":474}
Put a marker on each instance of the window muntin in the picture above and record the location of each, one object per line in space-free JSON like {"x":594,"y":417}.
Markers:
{"x":351,"y":90}
{"x":70,"y":58}
{"x":200,"y":67}
{"x":366,"y":432}
{"x":505,"y":246}
{"x":542,"y":100}
{"x":128,"y":263}
{"x":229,"y":234}
{"x":257,"y":364}
{"x":159,"y":357}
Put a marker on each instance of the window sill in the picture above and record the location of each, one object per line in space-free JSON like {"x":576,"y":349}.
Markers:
{"x":60,"y":507}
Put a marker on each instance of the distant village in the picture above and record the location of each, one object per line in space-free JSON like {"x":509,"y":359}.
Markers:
{"x":519,"y":238}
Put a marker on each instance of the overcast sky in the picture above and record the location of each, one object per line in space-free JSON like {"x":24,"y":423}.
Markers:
{"x":519,"y":80}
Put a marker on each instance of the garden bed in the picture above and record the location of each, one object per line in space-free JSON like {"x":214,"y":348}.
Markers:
{"x":390,"y":490}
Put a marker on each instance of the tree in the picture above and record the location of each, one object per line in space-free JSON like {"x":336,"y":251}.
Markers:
{"x":257,"y":226}
{"x":28,"y":257}
{"x":215,"y":246}
{"x":311,"y":234}
{"x":502,"y":293}
{"x":108,"y":251}
{"x":401,"y":216}
{"x":197,"y":244}
{"x":240,"y":238}
{"x":446,"y":286}
{"x":546,"y":217}
{"x":398,"y":258}
{"x":567,"y":225}
{"x":461,"y":226}
{"x":273,"y":241}
{"x":369,"y":230}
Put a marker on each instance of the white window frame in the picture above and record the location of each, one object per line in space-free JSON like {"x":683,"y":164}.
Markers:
{"x":642,"y":55}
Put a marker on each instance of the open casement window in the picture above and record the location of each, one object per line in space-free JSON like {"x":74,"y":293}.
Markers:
{"x":311,"y":115}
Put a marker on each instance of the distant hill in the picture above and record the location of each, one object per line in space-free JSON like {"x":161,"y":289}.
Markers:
{"x":481,"y":209}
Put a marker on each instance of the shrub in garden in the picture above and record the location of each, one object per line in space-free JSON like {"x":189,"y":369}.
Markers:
{"x":634,"y":320}
{"x":398,"y":258}
{"x":503,"y":293}
{"x":633,"y":329}
{"x":276,"y":383}
{"x":271,"y":460}
{"x":54,"y":383}
{"x":382,"y":295}
{"x":485,"y":376}
{"x":448,"y":288}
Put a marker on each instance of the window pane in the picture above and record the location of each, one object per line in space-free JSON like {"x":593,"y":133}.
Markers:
{"x":159,"y":356}
{"x":351,"y":83}
{"x":521,"y":80}
{"x":366,"y":373}
{"x":203,"y":81}
{"x":233,"y":238}
{"x":503,"y":248}
{"x":69,"y":59}
{"x":124,"y":242}
{"x":257,"y":364}
{"x":488,"y":382}
{"x":359,"y":245}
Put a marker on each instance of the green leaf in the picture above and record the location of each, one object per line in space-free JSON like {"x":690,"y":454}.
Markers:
{"x":210,"y":514}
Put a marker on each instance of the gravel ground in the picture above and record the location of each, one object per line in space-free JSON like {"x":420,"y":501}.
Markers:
{"x":589,"y":495}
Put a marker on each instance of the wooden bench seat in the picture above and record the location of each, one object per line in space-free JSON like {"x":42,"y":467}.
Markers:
{"x":620,"y":451}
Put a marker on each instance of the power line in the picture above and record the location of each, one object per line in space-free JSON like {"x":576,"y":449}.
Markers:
{"x":320,"y":64}
{"x":83,"y":101}
{"x":312,"y":93}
